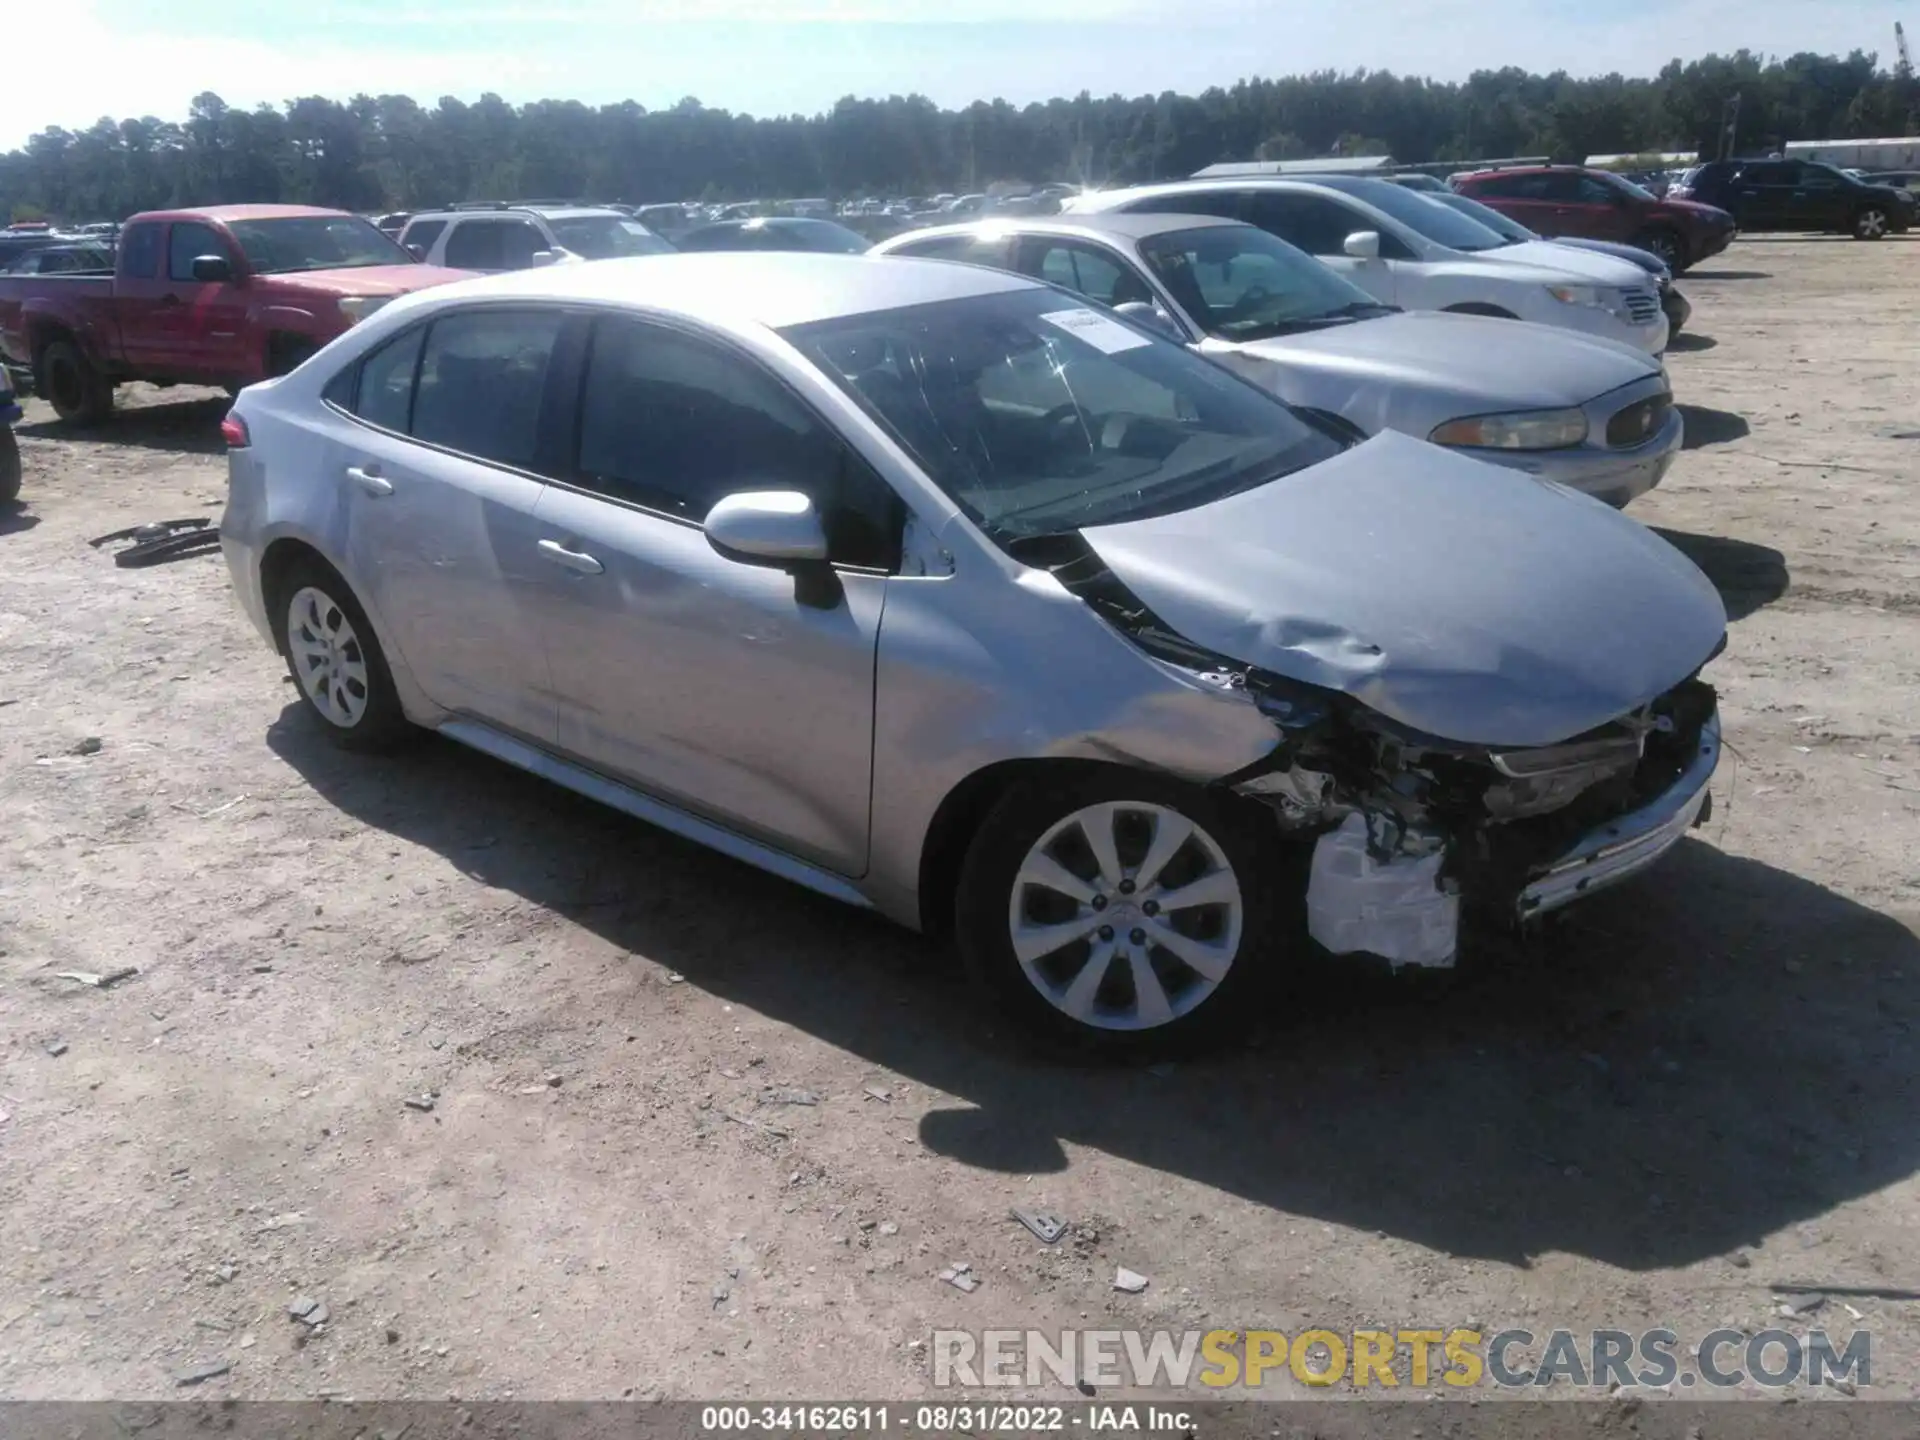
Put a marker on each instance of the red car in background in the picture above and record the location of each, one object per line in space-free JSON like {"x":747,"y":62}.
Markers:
{"x":1555,"y":200}
{"x":225,"y":295}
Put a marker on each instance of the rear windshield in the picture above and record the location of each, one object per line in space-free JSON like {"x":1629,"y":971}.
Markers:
{"x":315,"y":242}
{"x":1038,"y":414}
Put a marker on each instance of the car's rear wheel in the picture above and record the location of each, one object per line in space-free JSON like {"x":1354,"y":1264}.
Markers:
{"x":73,"y":385}
{"x":1870,"y":223}
{"x":1124,"y":911}
{"x":1668,"y":245}
{"x":336,"y":660}
{"x":9,"y":467}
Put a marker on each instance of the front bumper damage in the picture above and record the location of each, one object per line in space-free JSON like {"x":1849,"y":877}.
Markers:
{"x":1429,"y":838}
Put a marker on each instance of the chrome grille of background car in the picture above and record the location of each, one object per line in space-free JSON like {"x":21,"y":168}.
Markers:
{"x":1642,"y":305}
{"x":1638,"y":422}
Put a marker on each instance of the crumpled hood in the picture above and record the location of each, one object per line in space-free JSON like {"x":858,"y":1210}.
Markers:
{"x":1596,"y":268}
{"x":1481,"y":364}
{"x":1462,"y":599}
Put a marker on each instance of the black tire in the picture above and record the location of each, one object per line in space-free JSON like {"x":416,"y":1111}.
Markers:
{"x":1668,"y":245}
{"x":9,"y":467}
{"x":73,"y":385}
{"x":1271,"y":894}
{"x":1870,"y":222}
{"x":1476,"y":307}
{"x":377,"y":721}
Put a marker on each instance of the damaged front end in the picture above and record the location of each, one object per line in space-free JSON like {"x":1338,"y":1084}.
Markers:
{"x":1413,"y":833}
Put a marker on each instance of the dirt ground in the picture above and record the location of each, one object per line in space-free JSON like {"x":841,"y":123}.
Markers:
{"x":1705,"y":1088}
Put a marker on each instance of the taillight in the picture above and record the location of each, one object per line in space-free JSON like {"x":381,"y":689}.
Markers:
{"x":233,"y":430}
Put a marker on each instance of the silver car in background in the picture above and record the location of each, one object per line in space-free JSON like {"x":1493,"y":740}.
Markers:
{"x":944,"y":593}
{"x":1584,"y":412}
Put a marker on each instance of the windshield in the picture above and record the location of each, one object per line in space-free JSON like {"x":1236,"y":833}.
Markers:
{"x":315,"y":242}
{"x":1241,"y":283}
{"x":1621,"y":182}
{"x":1417,"y":212}
{"x":1038,"y":415}
{"x":1504,"y":226}
{"x":606,"y":237}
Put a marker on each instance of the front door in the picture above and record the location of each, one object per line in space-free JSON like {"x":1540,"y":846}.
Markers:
{"x":202,"y":324}
{"x":736,"y":690}
{"x":440,"y":482}
{"x":1763,"y":195}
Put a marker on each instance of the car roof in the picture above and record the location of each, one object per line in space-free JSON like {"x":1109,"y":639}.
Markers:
{"x":226,"y":214}
{"x":775,"y":289}
{"x":1122,"y":224}
{"x":545,"y":212}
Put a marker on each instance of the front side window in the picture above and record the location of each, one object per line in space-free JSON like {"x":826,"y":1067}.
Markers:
{"x":1244,"y":284}
{"x":188,"y":242}
{"x":675,"y":424}
{"x":482,"y":378}
{"x":140,"y":252}
{"x":315,"y":242}
{"x":1039,"y":415}
{"x":1313,"y":223}
{"x":417,"y":239}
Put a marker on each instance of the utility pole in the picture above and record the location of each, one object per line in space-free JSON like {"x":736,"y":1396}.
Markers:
{"x":1730,"y":127}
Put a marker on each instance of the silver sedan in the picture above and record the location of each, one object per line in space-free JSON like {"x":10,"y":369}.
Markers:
{"x":943,"y":593}
{"x":1575,"y":409}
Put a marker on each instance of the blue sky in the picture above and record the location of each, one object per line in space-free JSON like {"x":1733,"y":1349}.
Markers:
{"x":777,"y":56}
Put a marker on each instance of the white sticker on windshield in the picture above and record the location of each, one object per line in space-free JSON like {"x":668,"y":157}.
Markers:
{"x":1107,"y":336}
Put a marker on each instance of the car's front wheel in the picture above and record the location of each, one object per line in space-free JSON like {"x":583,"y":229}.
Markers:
{"x":9,"y":467}
{"x":1870,"y":223}
{"x":336,"y":660}
{"x":1124,"y":910}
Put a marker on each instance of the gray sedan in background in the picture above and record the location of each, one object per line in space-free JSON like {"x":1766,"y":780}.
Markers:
{"x":1591,"y":414}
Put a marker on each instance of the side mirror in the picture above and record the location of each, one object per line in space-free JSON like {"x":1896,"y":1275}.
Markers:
{"x":768,"y":527}
{"x":1151,"y":317}
{"x":212,"y":269}
{"x":542,"y":258}
{"x":418,"y":252}
{"x":1363,"y":245}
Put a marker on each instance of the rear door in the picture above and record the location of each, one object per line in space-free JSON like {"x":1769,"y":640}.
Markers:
{"x":739,"y":691}
{"x":1577,"y":204}
{"x":441,"y":474}
{"x":1523,"y":195}
{"x":141,"y":291}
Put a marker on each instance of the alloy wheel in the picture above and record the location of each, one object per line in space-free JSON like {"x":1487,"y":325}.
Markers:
{"x":1872,"y":224}
{"x":327,"y":657}
{"x":1126,"y":915}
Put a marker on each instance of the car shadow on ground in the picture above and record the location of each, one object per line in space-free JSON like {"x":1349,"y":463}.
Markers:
{"x":1687,"y":342}
{"x":186,"y":427}
{"x":1748,"y":576}
{"x":1706,"y":426}
{"x":15,"y":517}
{"x":1729,"y":274}
{"x":1719,"y":1051}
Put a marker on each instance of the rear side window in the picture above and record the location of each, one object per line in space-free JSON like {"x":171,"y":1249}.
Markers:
{"x":481,"y":380}
{"x":384,"y":395}
{"x":969,"y":248}
{"x":187,"y":243}
{"x":140,"y":252}
{"x":1227,"y":204}
{"x":475,"y":245}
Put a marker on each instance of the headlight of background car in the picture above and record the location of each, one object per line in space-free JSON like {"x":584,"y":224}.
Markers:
{"x":1522,"y":430}
{"x":358,"y":307}
{"x":1576,"y":294}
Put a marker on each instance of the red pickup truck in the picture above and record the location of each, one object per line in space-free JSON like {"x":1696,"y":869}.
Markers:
{"x":220,"y":296}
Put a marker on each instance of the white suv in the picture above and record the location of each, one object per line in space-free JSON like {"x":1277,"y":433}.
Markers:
{"x":518,"y":237}
{"x":1404,"y":249}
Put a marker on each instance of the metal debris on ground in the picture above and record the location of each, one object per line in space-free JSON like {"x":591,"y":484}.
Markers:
{"x":887,"y":1227}
{"x":206,"y":1370}
{"x":89,"y":746}
{"x":553,"y":1079}
{"x":788,"y":1095}
{"x":161,"y":540}
{"x":418,"y":1102}
{"x":880,"y":1093}
{"x":1128,"y":1280}
{"x":101,"y":982}
{"x":56,"y":1048}
{"x":1046,"y":1226}
{"x":1802,"y":1305}
{"x":753,"y":1124}
{"x":961,"y":1277}
{"x":721,"y":1294}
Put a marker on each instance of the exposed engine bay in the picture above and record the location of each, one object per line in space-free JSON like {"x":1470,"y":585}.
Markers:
{"x":1411,"y":831}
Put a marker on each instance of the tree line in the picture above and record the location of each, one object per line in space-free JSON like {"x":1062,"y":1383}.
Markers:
{"x":390,"y":152}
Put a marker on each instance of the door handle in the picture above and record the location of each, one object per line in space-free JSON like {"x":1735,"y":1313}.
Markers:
{"x":370,"y":480}
{"x":577,"y":561}
{"x":169,"y":299}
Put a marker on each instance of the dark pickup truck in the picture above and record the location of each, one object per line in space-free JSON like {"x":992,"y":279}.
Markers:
{"x":220,"y":296}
